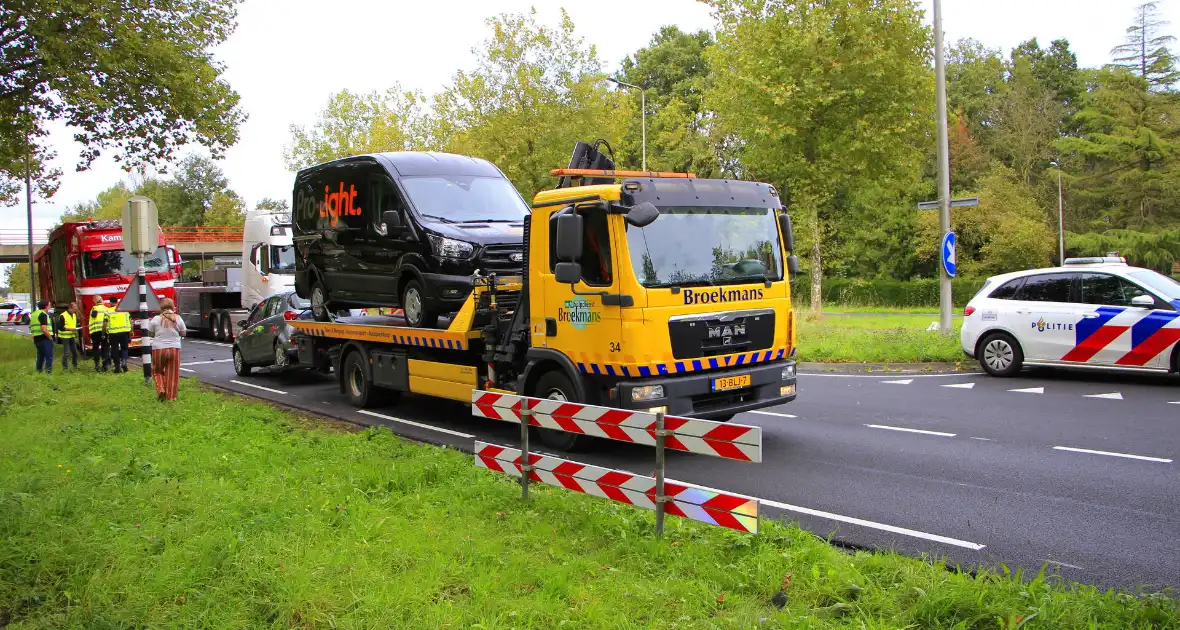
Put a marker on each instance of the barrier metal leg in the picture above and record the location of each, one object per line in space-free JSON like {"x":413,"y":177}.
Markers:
{"x":526,"y":465}
{"x":660,"y":498}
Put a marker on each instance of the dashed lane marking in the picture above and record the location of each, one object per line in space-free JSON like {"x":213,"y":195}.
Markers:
{"x":980,"y":439}
{"x":184,"y":369}
{"x":1062,"y":564}
{"x":771,"y":413}
{"x":960,"y":385}
{"x":903,"y":381}
{"x":1029,"y":390}
{"x":206,"y":362}
{"x":904,"y":429}
{"x":245,"y":384}
{"x":1087,"y":451}
{"x":416,"y":424}
{"x":210,"y":343}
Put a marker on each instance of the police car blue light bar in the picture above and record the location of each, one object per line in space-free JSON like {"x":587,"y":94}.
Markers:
{"x":1096,"y":260}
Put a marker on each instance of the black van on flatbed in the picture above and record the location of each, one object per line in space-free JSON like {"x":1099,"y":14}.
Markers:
{"x":403,"y":229}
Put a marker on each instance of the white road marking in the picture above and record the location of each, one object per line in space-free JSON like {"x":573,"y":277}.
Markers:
{"x":1145,"y":458}
{"x":416,"y":424}
{"x":184,"y":369}
{"x":206,"y":362}
{"x":904,"y":381}
{"x":1062,"y":564}
{"x":1110,"y":396}
{"x":209,"y":343}
{"x":1175,"y":403}
{"x":1029,"y":390}
{"x":771,"y":413}
{"x":881,"y":526}
{"x":980,"y":439}
{"x":887,"y":375}
{"x":922,"y":431}
{"x":277,"y":391}
{"x":960,"y":385}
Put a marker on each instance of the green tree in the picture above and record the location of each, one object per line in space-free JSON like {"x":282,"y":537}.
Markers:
{"x":136,"y":78}
{"x":355,"y":124}
{"x":271,"y":204}
{"x":1126,"y":175}
{"x":1054,"y":71}
{"x":226,"y":208}
{"x":17,"y":279}
{"x":822,"y":97}
{"x":1005,"y":232}
{"x":975,"y":75}
{"x":1146,"y":51}
{"x":1155,"y":250}
{"x":107,"y":205}
{"x":535,"y":91}
{"x":674,"y":74}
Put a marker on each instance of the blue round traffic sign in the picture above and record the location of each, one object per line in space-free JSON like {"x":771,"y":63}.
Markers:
{"x":948,"y":254}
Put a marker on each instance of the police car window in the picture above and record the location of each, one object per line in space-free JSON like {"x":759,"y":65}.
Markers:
{"x":1007,"y":291}
{"x":1046,"y":288}
{"x":1102,"y":288}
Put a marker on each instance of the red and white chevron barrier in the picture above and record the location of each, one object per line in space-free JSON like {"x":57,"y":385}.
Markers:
{"x":732,"y":511}
{"x":719,"y":439}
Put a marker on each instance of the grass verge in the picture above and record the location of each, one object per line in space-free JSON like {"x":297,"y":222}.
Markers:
{"x":221,"y":512}
{"x":875,"y":339}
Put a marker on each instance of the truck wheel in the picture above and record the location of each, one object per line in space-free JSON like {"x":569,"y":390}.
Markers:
{"x":227,"y":327}
{"x":555,"y":386}
{"x":240,"y":366}
{"x":417,"y":314}
{"x":319,"y":302}
{"x":359,"y":387}
{"x":215,"y":330}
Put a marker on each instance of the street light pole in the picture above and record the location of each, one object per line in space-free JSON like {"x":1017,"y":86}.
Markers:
{"x":1060,"y":219}
{"x":29,"y":213}
{"x":642,"y":114}
{"x":944,"y":171}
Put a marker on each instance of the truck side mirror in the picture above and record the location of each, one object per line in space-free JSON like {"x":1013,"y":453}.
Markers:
{"x":792,"y":267}
{"x":642,"y":214}
{"x":784,"y":224}
{"x":569,"y":237}
{"x":567,"y":272}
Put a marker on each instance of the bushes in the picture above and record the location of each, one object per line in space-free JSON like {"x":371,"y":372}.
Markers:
{"x":887,"y":293}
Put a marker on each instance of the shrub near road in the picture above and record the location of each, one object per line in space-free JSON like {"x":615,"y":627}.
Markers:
{"x":865,"y":338}
{"x":217,"y":511}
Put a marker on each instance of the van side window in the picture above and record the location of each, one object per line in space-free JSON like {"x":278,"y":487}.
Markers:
{"x":383,"y":196}
{"x":597,"y":263}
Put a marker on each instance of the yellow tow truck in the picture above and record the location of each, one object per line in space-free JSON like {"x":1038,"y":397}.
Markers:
{"x":641,"y":290}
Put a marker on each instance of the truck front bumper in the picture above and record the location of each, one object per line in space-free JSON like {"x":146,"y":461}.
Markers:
{"x":694,"y":395}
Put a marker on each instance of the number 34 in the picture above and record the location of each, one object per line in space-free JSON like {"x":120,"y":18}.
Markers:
{"x":615,"y":346}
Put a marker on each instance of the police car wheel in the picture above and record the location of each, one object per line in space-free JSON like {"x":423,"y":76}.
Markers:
{"x":240,"y":366}
{"x":555,"y":386}
{"x":1000,"y":355}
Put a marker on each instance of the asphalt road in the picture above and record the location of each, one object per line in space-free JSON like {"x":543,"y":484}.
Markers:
{"x":1074,"y":470}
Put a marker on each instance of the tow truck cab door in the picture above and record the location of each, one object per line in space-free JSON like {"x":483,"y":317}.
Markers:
{"x":573,"y":318}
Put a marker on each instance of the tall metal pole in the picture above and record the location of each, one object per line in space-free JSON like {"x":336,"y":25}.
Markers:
{"x":29,"y":212}
{"x":643,"y":123}
{"x":1060,"y":223}
{"x":944,"y":171}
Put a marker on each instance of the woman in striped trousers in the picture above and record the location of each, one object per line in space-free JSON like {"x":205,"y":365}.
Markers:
{"x":167,"y":329}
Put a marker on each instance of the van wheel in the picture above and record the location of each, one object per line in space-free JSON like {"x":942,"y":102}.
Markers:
{"x":555,"y":386}
{"x":240,"y":366}
{"x":319,"y":303}
{"x":1000,"y":355}
{"x":417,"y":314}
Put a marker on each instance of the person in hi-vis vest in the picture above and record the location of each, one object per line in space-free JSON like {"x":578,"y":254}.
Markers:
{"x":67,"y":332}
{"x":98,"y":337}
{"x":118,"y":329}
{"x":41,"y":329}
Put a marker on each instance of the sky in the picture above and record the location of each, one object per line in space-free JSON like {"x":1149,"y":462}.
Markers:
{"x":287,"y":56}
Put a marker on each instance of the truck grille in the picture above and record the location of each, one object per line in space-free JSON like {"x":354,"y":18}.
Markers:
{"x":713,"y":334}
{"x":499,"y":259}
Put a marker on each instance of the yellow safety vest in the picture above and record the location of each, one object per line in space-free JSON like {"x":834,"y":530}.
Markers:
{"x":119,"y":323}
{"x":35,"y":324}
{"x":69,"y":326}
{"x":97,"y":315}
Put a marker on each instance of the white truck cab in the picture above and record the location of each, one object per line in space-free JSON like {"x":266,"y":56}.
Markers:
{"x":268,"y":256}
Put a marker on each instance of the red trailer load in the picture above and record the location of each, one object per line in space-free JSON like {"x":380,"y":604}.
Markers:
{"x":85,"y":262}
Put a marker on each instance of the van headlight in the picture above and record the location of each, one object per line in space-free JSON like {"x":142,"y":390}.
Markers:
{"x":449,"y":247}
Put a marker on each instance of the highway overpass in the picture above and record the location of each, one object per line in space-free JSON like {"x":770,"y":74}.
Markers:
{"x":193,"y":242}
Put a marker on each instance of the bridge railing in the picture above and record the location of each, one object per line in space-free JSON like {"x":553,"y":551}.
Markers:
{"x":21,"y":237}
{"x":172,"y":234}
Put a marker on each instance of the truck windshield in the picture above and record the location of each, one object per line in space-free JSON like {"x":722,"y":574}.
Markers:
{"x":120,"y":263}
{"x":692,"y":245}
{"x":282,"y":259}
{"x":465,"y":199}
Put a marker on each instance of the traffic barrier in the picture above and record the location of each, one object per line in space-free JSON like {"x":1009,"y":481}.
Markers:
{"x":723,"y":509}
{"x":719,"y":439}
{"x":703,"y":437}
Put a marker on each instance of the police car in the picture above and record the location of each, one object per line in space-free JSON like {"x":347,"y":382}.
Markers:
{"x":14,"y":313}
{"x":1092,"y":312}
